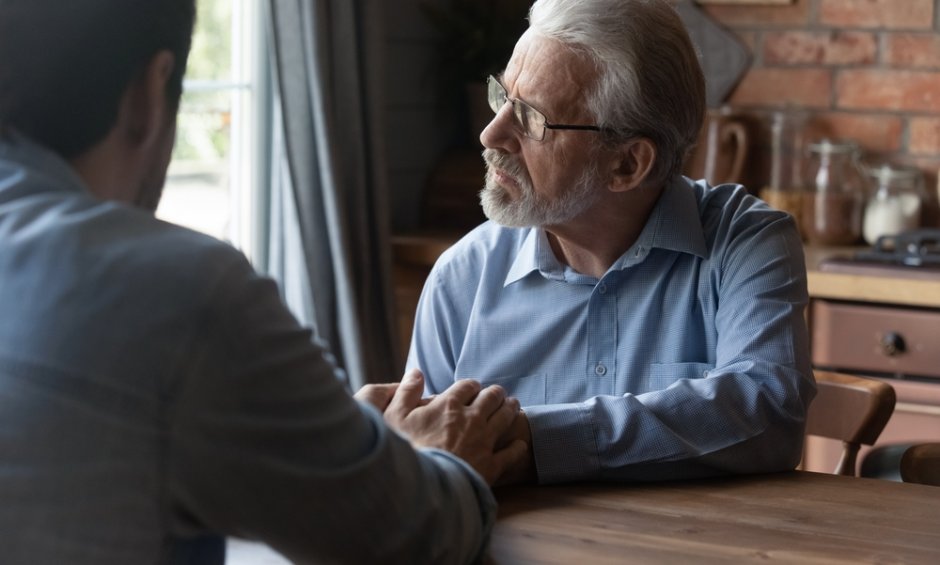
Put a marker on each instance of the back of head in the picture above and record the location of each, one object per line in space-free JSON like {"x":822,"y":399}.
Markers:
{"x":650,"y":81}
{"x":64,"y":64}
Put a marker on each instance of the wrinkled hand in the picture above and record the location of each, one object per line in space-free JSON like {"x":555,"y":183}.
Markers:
{"x":523,"y":470}
{"x":466,"y":419}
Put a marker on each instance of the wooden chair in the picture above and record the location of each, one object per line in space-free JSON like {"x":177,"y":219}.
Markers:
{"x":851,"y":409}
{"x":921,"y":464}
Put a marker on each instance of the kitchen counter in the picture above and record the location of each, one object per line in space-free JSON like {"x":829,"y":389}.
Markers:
{"x":896,"y":290}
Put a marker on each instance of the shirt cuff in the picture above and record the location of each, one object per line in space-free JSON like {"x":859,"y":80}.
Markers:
{"x":563,"y":442}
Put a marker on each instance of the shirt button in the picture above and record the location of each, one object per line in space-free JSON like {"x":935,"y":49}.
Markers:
{"x":600,"y":369}
{"x":602,"y":288}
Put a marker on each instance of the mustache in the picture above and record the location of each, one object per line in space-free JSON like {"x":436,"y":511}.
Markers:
{"x":508,"y":164}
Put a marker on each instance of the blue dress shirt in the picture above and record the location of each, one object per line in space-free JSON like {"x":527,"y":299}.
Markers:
{"x":688,"y":358}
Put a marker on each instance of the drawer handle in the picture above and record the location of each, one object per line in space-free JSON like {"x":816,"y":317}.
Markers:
{"x":892,"y":344}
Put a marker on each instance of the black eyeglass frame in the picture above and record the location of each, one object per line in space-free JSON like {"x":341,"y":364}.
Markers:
{"x":515,"y":102}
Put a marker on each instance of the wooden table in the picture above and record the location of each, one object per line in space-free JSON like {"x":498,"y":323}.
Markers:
{"x":796,"y":517}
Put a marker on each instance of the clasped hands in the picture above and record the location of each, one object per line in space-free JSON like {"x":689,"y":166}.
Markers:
{"x":480,"y":425}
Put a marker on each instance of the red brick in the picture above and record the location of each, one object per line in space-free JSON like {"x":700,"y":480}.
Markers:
{"x":888,"y":14}
{"x":914,"y":50}
{"x":780,"y":87}
{"x":917,"y":91}
{"x":925,"y":136}
{"x":772,"y":15}
{"x":826,"y":48}
{"x":873,"y":132}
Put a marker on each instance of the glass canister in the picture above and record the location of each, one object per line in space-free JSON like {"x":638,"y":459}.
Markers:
{"x":784,"y":189}
{"x":835,"y":196}
{"x":895,"y":202}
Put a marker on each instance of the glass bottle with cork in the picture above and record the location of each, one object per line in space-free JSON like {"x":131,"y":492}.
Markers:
{"x":835,"y":199}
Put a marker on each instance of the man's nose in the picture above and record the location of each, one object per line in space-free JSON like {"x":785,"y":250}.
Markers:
{"x":502,"y":131}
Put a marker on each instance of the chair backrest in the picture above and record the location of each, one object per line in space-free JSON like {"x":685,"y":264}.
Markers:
{"x":921,"y":464}
{"x":851,"y":409}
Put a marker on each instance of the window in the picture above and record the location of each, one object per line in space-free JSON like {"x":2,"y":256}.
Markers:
{"x":218,"y":161}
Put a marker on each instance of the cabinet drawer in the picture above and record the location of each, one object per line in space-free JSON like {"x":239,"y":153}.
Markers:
{"x":876,"y":338}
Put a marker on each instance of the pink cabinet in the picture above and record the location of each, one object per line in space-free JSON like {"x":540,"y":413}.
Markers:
{"x":897,"y":344}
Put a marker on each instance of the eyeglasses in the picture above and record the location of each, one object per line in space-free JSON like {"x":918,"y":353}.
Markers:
{"x":532,"y":122}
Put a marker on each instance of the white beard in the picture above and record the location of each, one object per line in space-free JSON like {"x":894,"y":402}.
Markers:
{"x":532,"y":209}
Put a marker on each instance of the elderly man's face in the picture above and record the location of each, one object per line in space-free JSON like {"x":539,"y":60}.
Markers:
{"x":555,"y":180}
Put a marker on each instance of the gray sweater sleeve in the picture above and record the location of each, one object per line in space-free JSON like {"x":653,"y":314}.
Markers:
{"x":266,"y":444}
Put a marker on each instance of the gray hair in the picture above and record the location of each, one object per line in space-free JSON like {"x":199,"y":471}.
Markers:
{"x":650,"y":82}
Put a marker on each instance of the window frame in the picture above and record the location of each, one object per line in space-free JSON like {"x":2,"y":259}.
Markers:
{"x":248,"y":158}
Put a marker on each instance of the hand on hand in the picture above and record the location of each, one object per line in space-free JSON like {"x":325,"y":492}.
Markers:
{"x":523,"y":471}
{"x":378,"y":395}
{"x":468,"y":420}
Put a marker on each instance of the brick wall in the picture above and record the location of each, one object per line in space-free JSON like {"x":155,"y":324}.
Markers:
{"x":863,"y":69}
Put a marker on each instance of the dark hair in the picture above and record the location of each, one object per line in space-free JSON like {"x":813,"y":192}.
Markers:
{"x":65,"y":64}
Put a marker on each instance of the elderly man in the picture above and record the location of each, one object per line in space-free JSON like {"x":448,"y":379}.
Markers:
{"x":155,"y":393}
{"x":651,"y":326}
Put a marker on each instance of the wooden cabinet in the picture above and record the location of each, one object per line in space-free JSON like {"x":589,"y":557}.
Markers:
{"x":880,"y":338}
{"x":886,"y":326}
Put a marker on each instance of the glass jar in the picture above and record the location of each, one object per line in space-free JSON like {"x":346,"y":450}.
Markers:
{"x":835,"y":199}
{"x":784,"y":189}
{"x":895,"y":203}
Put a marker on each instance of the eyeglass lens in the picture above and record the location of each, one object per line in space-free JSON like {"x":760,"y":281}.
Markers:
{"x":529,"y":119}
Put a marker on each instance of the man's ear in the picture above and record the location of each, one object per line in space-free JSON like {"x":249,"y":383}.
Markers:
{"x":633,"y":164}
{"x":144,"y":107}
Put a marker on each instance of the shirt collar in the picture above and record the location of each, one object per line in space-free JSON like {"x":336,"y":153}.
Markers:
{"x":535,"y":254}
{"x":674,"y":224}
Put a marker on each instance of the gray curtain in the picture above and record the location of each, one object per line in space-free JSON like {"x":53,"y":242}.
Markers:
{"x":329,"y":228}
